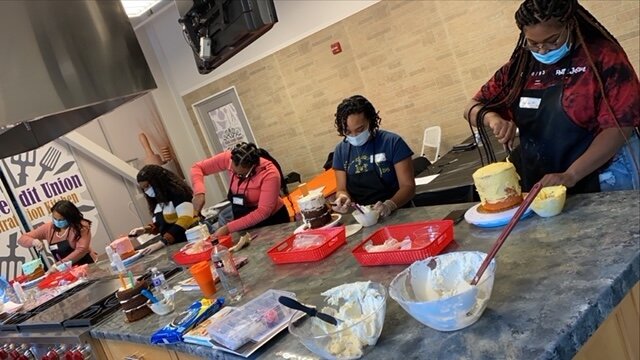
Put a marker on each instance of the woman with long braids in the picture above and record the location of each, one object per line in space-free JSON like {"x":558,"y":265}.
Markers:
{"x":68,"y":233}
{"x":255,"y":182}
{"x":570,"y":90}
{"x":373,"y":166}
{"x":169,"y":201}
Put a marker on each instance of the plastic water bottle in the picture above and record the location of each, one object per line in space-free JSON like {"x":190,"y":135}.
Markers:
{"x":227,"y":271}
{"x":109,"y":252}
{"x":158,"y":280}
{"x":117,"y":262}
{"x":20,"y":294}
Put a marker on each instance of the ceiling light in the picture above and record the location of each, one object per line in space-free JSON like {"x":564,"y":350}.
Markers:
{"x":135,"y":8}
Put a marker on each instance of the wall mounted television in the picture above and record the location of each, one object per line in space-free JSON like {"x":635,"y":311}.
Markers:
{"x":216,"y":30}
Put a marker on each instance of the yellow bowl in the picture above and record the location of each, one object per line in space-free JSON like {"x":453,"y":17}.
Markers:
{"x":550,"y":201}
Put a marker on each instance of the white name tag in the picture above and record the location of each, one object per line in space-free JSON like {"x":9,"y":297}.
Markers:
{"x":238,"y":201}
{"x":529,"y":103}
{"x":53,"y":247}
{"x":380,"y":157}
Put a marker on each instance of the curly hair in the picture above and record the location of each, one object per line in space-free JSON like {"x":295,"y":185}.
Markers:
{"x":531,"y":12}
{"x":73,"y":216}
{"x":167,"y":186}
{"x":356,"y":104}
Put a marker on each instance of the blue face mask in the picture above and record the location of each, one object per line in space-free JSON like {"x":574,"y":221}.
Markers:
{"x":553,"y":56}
{"x":60,"y":224}
{"x":359,"y":139}
{"x":150,"y":192}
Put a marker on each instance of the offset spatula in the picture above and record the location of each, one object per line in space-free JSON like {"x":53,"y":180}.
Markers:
{"x":293,"y":304}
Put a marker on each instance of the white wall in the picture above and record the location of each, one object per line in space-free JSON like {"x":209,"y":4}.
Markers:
{"x":296,"y":20}
{"x":108,"y":191}
{"x":172,"y":64}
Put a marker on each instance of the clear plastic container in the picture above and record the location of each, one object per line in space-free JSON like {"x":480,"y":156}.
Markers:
{"x":266,"y":311}
{"x":307,"y":241}
{"x":254,"y":321}
{"x":425,"y":236}
{"x":232,"y":331}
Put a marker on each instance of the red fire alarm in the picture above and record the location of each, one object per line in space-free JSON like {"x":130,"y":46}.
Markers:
{"x":336,"y":48}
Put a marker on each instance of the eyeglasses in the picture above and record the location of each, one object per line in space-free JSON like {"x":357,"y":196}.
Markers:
{"x":556,"y":44}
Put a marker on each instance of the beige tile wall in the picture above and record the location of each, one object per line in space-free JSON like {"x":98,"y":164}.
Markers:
{"x":417,"y":61}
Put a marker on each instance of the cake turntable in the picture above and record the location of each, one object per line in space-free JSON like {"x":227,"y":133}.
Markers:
{"x":492,"y":219}
{"x":335,"y":219}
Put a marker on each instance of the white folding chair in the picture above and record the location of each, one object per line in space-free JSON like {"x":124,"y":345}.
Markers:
{"x":431,"y":139}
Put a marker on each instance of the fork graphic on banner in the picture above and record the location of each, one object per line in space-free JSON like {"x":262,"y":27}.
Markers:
{"x":48,"y":161}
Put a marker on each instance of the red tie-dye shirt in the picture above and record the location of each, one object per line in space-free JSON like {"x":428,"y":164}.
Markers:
{"x":581,"y":99}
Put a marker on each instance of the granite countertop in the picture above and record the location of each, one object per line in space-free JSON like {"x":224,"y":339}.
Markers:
{"x":557,"y":279}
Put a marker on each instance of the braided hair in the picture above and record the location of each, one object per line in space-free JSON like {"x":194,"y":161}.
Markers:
{"x":532,"y":12}
{"x":248,"y":154}
{"x":167,"y":186}
{"x":72,"y":214}
{"x":356,"y":104}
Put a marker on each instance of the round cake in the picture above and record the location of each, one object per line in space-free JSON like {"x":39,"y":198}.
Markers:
{"x":314,"y":210}
{"x":133,"y":302}
{"x":498,"y":185}
{"x":123,"y":247}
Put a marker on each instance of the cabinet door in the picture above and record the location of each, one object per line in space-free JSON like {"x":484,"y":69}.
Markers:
{"x":119,"y":350}
{"x":618,"y":337}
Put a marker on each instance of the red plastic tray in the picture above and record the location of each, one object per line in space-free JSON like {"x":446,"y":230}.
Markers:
{"x":52,"y":280}
{"x":398,"y":232}
{"x":282,"y":253}
{"x":182,"y":258}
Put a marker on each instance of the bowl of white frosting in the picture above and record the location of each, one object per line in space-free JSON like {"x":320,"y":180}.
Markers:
{"x":360,"y":308}
{"x":367,"y":218}
{"x":437,"y":293}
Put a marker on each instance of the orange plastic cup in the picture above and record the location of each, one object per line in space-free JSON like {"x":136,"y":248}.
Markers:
{"x":202,"y":274}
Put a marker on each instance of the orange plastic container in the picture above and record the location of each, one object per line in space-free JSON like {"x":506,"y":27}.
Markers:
{"x":442,"y":238}
{"x":282,"y":253}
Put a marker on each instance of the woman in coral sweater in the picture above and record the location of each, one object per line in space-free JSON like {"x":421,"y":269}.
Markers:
{"x":254,"y":191}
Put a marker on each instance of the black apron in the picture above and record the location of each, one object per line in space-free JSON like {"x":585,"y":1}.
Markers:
{"x":63,"y":249}
{"x":368,"y":187}
{"x":239,"y":208}
{"x":549,"y":141}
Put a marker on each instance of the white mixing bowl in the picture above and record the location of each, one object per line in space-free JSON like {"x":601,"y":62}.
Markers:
{"x":368,"y":218}
{"x":414,"y":290}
